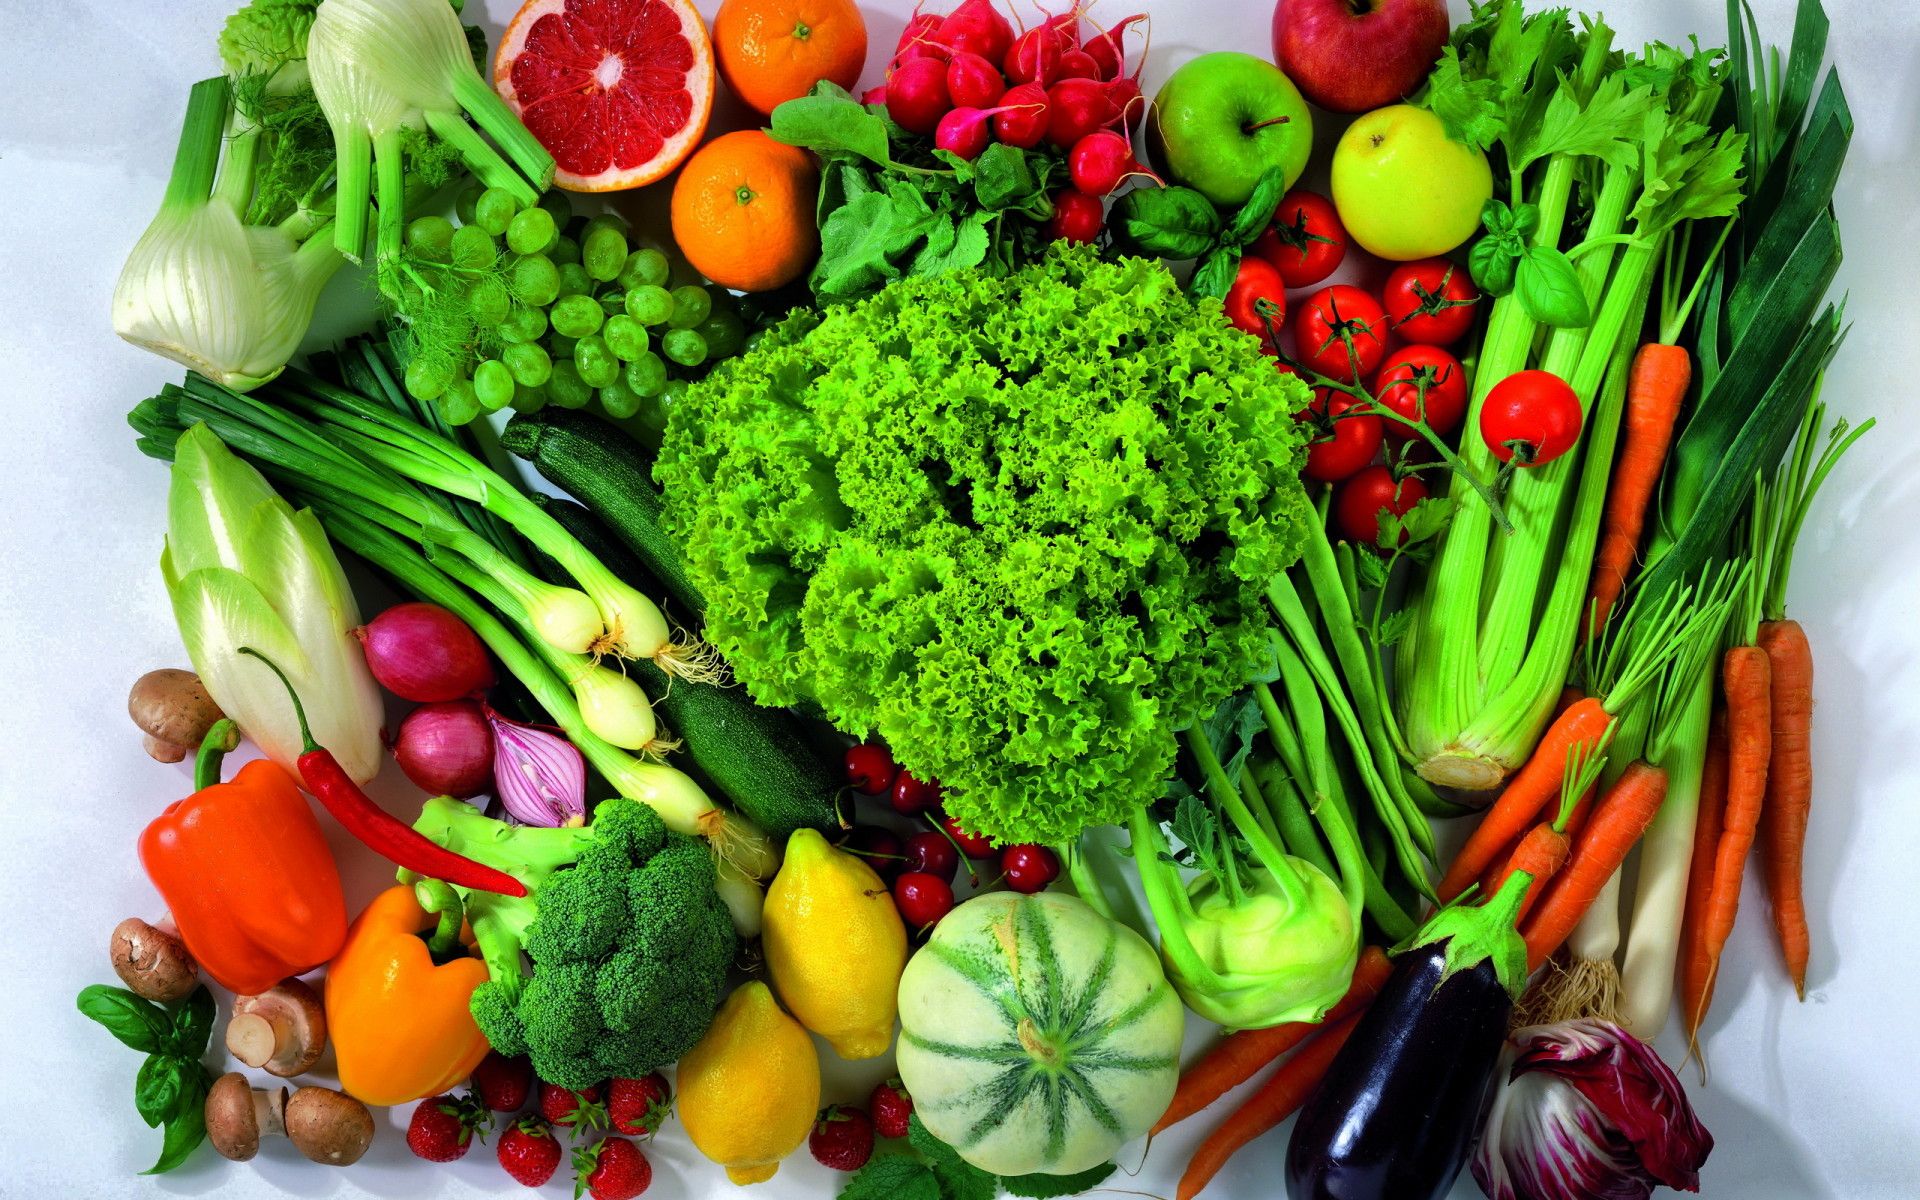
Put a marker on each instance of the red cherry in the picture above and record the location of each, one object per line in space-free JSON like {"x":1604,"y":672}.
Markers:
{"x":913,"y":795}
{"x":870,"y":768}
{"x":931,"y":854}
{"x":1029,"y":868}
{"x":922,"y":898}
{"x":973,"y":845}
{"x":879,"y":848}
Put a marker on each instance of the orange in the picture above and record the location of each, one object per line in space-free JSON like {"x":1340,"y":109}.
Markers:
{"x":772,"y":51}
{"x":619,"y":94}
{"x":743,"y":211}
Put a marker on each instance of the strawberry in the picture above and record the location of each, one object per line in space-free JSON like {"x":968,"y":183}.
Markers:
{"x":842,"y":1139}
{"x":890,"y":1106}
{"x":529,"y":1151}
{"x":443,"y":1128}
{"x":503,"y":1083}
{"x":611,"y":1169}
{"x":572,"y":1110}
{"x":639,"y":1106}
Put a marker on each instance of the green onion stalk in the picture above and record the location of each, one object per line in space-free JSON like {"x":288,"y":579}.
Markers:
{"x":1497,"y":619}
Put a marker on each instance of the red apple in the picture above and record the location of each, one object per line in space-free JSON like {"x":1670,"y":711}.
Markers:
{"x":1355,"y":55}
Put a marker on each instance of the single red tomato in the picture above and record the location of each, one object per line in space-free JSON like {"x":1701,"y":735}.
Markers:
{"x":1530,"y":417}
{"x":1402,"y":376}
{"x":1328,"y":320}
{"x":1430,"y":302}
{"x":1344,"y":441}
{"x":1257,"y":281}
{"x":1306,"y":240}
{"x":1359,"y":502}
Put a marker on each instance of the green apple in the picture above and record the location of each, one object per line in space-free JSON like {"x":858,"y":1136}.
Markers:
{"x":1222,"y":120}
{"x":1403,"y":188}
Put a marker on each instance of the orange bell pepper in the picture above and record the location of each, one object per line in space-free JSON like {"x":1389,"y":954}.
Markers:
{"x":397,"y":999}
{"x":246,"y":872}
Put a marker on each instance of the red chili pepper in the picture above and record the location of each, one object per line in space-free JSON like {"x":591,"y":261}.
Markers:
{"x":378,"y":829}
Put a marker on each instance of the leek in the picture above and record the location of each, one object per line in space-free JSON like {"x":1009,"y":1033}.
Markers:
{"x":204,"y":288}
{"x":243,"y":568}
{"x":382,"y":67}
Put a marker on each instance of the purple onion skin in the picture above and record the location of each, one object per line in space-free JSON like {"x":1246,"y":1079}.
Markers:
{"x":1395,"y":1115}
{"x":423,"y":653}
{"x":446,"y":749}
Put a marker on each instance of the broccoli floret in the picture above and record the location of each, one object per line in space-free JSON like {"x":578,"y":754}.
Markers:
{"x":628,"y":939}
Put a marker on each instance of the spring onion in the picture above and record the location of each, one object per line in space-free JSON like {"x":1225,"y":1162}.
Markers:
{"x":380,"y":67}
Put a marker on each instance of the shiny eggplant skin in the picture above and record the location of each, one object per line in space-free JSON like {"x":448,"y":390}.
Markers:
{"x":1395,"y":1115}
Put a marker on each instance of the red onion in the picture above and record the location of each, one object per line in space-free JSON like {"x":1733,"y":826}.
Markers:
{"x":423,"y":653}
{"x":445,"y":748}
{"x":539,"y":778}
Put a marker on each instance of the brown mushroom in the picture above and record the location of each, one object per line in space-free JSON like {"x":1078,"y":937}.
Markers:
{"x":172,"y":708}
{"x":283,"y":1029}
{"x":239,"y":1115}
{"x":329,"y":1127}
{"x":152,"y":962}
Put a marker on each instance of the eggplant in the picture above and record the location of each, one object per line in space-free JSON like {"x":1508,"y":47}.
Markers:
{"x":1395,"y":1115}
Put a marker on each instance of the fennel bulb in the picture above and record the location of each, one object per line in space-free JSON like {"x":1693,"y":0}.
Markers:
{"x":243,"y":568}
{"x":203,"y":288}
{"x":381,"y":67}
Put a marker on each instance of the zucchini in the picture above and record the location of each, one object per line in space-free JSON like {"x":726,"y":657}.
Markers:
{"x":762,"y":759}
{"x":600,"y":466}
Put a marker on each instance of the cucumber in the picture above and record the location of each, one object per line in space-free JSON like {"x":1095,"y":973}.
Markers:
{"x":761,"y":759}
{"x":606,"y":470}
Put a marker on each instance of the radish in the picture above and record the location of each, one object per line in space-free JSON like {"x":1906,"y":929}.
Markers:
{"x":1077,"y":107}
{"x":1034,"y":56}
{"x":917,"y":95}
{"x":973,"y":81}
{"x":1022,"y":118}
{"x":918,"y":39}
{"x":964,"y":131}
{"x":977,"y":27}
{"x":1109,"y":49}
{"x":1099,"y":162}
{"x":1077,"y":217}
{"x":1077,"y":64}
{"x":874,"y":95}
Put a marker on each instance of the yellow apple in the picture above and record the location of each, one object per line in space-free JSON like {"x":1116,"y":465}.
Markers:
{"x":1404,"y":189}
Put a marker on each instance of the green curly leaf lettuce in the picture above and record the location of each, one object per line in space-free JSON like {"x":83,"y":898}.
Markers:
{"x":1020,"y":527}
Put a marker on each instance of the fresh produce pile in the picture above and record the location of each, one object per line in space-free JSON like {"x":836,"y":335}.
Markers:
{"x":1013,"y":593}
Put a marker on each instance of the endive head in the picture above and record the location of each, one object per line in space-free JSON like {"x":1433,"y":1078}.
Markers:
{"x":243,"y":568}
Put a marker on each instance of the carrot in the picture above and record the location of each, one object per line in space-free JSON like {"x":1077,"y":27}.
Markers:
{"x":1238,"y":1056}
{"x":1747,"y":680}
{"x":1615,"y":825}
{"x":1695,"y":993}
{"x":1531,"y":790}
{"x":1278,"y":1098}
{"x":1656,"y":389}
{"x":1543,"y":852}
{"x":1783,"y":818}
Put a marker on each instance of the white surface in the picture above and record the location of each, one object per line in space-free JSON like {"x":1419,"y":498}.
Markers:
{"x":1806,"y":1100}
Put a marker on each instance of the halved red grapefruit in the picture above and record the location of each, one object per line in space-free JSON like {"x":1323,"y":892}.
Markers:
{"x":618,"y":91}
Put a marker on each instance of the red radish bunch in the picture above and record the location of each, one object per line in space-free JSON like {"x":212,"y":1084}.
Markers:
{"x":969,"y":78}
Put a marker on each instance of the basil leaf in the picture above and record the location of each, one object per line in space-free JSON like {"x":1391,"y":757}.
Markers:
{"x":1491,"y":263}
{"x":1173,"y":222}
{"x":187,"y":1127}
{"x":1002,"y":178}
{"x":193,"y":1024}
{"x":1257,"y":213}
{"x":829,"y":124}
{"x":1526,"y":220}
{"x":1046,"y":1187}
{"x":159,"y":1085}
{"x":1549,"y":289}
{"x":1215,"y":274}
{"x":139,"y":1024}
{"x":1496,"y":217}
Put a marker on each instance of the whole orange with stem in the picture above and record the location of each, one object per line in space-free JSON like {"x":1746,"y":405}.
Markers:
{"x":743,"y":211}
{"x":772,"y":51}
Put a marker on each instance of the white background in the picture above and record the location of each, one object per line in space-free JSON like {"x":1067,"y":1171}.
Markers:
{"x":1814,"y":1099}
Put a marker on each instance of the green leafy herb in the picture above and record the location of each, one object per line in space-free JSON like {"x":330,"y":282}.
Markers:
{"x":958,"y":1178}
{"x":1549,"y":289}
{"x":1171,"y":222}
{"x":170,"y":1089}
{"x":1216,"y":273}
{"x":1257,"y":213}
{"x":933,"y":1170}
{"x":1047,"y":1187}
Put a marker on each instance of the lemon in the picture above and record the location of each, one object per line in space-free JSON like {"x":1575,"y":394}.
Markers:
{"x":835,"y":946}
{"x":749,"y":1091}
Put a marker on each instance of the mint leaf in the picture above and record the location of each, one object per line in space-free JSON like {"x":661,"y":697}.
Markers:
{"x":892,"y":1177}
{"x":956,"y":1178}
{"x":1549,"y":289}
{"x":139,"y":1024}
{"x":1047,"y":1187}
{"x":1173,"y":222}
